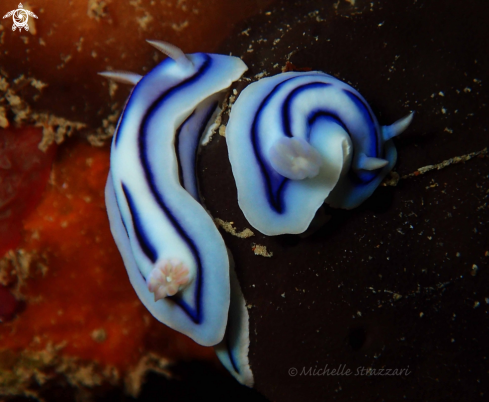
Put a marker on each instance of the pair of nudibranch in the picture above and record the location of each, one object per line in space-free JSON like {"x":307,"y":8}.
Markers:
{"x":295,"y":141}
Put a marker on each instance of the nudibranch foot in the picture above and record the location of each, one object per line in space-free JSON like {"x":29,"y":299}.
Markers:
{"x":294,"y":158}
{"x":175,"y":256}
{"x":124,"y":77}
{"x":167,"y":278}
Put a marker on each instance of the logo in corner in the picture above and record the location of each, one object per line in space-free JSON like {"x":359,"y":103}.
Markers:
{"x":20,"y":17}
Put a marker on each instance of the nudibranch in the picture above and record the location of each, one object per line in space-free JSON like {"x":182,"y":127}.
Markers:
{"x":299,"y":139}
{"x":175,"y":256}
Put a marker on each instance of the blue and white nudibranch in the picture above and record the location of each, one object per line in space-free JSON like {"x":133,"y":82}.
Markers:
{"x":174,"y":254}
{"x":299,"y":139}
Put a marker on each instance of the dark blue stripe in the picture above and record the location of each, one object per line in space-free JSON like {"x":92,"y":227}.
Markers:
{"x":357,"y":177}
{"x":325,"y":114}
{"x":117,"y":129}
{"x":374,"y":149}
{"x":286,"y":116}
{"x":177,"y":146}
{"x":277,"y":181}
{"x":127,"y":232}
{"x":122,"y":220}
{"x":143,"y":241}
{"x":373,"y":146}
{"x":276,"y":184}
{"x":195,"y":314}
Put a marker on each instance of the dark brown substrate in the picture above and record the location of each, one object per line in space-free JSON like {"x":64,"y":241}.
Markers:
{"x":400,"y":282}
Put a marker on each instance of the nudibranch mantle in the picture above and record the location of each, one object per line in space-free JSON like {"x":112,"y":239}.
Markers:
{"x":152,"y":200}
{"x":334,"y":119}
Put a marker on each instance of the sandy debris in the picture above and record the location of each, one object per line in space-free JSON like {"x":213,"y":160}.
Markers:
{"x":446,"y":163}
{"x":228,"y":227}
{"x":261,"y":250}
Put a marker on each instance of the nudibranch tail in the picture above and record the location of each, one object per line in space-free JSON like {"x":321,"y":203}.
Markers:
{"x":276,"y":127}
{"x":174,"y":254}
{"x":233,"y":350}
{"x":124,"y":77}
{"x":171,"y":51}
